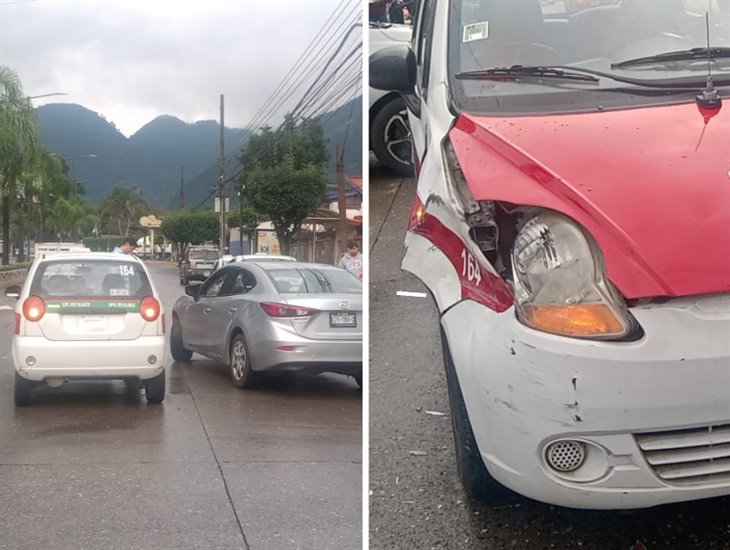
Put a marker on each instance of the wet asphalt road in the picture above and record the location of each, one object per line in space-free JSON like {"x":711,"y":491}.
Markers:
{"x":416,"y":500}
{"x":212,"y":467}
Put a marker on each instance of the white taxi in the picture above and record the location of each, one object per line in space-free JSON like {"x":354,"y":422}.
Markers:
{"x":88,"y":316}
{"x":571,"y":222}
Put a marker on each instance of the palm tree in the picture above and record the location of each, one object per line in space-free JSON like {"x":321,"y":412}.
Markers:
{"x":19,"y":143}
{"x":71,"y":218}
{"x":122,"y":206}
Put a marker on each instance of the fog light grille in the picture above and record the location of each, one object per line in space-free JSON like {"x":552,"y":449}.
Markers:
{"x":566,"y":456}
{"x":690,"y":456}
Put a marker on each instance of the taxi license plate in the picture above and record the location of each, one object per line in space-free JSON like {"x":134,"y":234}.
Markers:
{"x":342,"y":320}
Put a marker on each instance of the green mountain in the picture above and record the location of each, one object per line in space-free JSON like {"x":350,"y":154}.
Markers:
{"x":101,"y":157}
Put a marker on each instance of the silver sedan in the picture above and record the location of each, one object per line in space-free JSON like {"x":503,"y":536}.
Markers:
{"x":272,"y":316}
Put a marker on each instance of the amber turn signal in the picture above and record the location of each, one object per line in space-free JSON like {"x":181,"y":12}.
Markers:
{"x":574,"y":320}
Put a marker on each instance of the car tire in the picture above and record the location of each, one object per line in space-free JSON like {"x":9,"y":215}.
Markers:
{"x":177,"y":349}
{"x":242,"y":375}
{"x":389,"y":124}
{"x":475,"y":478}
{"x":23,"y":391}
{"x":154,"y":389}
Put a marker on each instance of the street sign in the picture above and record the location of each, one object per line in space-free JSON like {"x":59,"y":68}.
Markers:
{"x":150,"y":221}
{"x":218,"y":204}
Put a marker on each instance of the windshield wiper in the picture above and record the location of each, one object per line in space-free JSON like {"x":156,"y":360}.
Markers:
{"x":504,"y":73}
{"x":580,"y":74}
{"x":679,"y":55}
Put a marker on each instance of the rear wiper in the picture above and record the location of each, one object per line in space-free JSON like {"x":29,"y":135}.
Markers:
{"x":679,"y":55}
{"x":504,"y":73}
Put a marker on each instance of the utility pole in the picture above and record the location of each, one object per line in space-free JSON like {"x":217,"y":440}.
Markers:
{"x":240,"y":222}
{"x":182,"y":187}
{"x":341,"y":206}
{"x":222,"y":188}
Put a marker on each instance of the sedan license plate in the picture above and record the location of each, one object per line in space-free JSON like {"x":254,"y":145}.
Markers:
{"x":341,"y":320}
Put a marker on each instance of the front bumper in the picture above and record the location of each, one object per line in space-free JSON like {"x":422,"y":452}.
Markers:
{"x":525,"y":389}
{"x":88,"y":359}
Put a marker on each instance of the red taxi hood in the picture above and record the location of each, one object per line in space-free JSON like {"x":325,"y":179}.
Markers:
{"x":646,"y":183}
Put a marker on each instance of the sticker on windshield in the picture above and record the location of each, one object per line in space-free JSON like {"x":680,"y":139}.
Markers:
{"x":476,"y":31}
{"x":126,"y":270}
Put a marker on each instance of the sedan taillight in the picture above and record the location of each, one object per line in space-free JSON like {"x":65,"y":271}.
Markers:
{"x":34,"y":308}
{"x":149,"y":308}
{"x":285,"y":310}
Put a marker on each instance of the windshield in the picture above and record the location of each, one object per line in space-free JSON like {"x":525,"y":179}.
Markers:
{"x":590,"y":35}
{"x":90,"y":279}
{"x":315,"y":281}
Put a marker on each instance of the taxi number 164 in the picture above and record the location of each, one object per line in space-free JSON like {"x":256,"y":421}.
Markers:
{"x":470,"y":267}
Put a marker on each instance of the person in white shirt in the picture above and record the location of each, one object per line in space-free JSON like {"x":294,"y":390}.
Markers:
{"x":127,"y":247}
{"x":352,"y":260}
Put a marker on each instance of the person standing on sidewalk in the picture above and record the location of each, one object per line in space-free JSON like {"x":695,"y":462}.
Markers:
{"x":352,"y":259}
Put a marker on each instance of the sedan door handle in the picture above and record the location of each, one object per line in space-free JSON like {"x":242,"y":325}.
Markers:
{"x":232,"y":310}
{"x":207,"y":310}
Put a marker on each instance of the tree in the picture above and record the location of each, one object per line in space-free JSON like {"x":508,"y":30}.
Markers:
{"x":190,"y":226}
{"x":285,"y":175}
{"x":121,"y":207}
{"x":246,"y":217}
{"x":19,"y":145}
{"x":71,"y":217}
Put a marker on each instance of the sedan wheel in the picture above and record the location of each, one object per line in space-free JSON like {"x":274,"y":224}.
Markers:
{"x":391,"y":138}
{"x":242,"y":376}
{"x":177,"y":349}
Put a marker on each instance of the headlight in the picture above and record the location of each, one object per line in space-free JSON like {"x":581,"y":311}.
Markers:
{"x":560,"y":284}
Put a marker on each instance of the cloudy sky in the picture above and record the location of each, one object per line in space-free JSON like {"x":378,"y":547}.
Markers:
{"x":132,"y":60}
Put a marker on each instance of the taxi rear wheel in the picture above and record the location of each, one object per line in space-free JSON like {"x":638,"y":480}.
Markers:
{"x":475,"y":478}
{"x":242,"y":375}
{"x":23,"y":391}
{"x":177,"y":349}
{"x":154,"y":388}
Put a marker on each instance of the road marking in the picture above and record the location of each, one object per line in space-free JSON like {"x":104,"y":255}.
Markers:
{"x":6,"y":308}
{"x":411,"y":294}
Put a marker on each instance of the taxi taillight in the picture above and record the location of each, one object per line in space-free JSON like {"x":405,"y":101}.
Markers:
{"x":34,"y":308}
{"x":149,"y":308}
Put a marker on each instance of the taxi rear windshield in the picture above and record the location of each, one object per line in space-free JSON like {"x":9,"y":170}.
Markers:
{"x":91,"y":279}
{"x":315,"y":281}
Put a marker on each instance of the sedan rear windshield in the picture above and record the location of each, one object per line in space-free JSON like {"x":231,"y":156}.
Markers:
{"x":91,"y":279}
{"x":315,"y":281}
{"x":204,"y":255}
